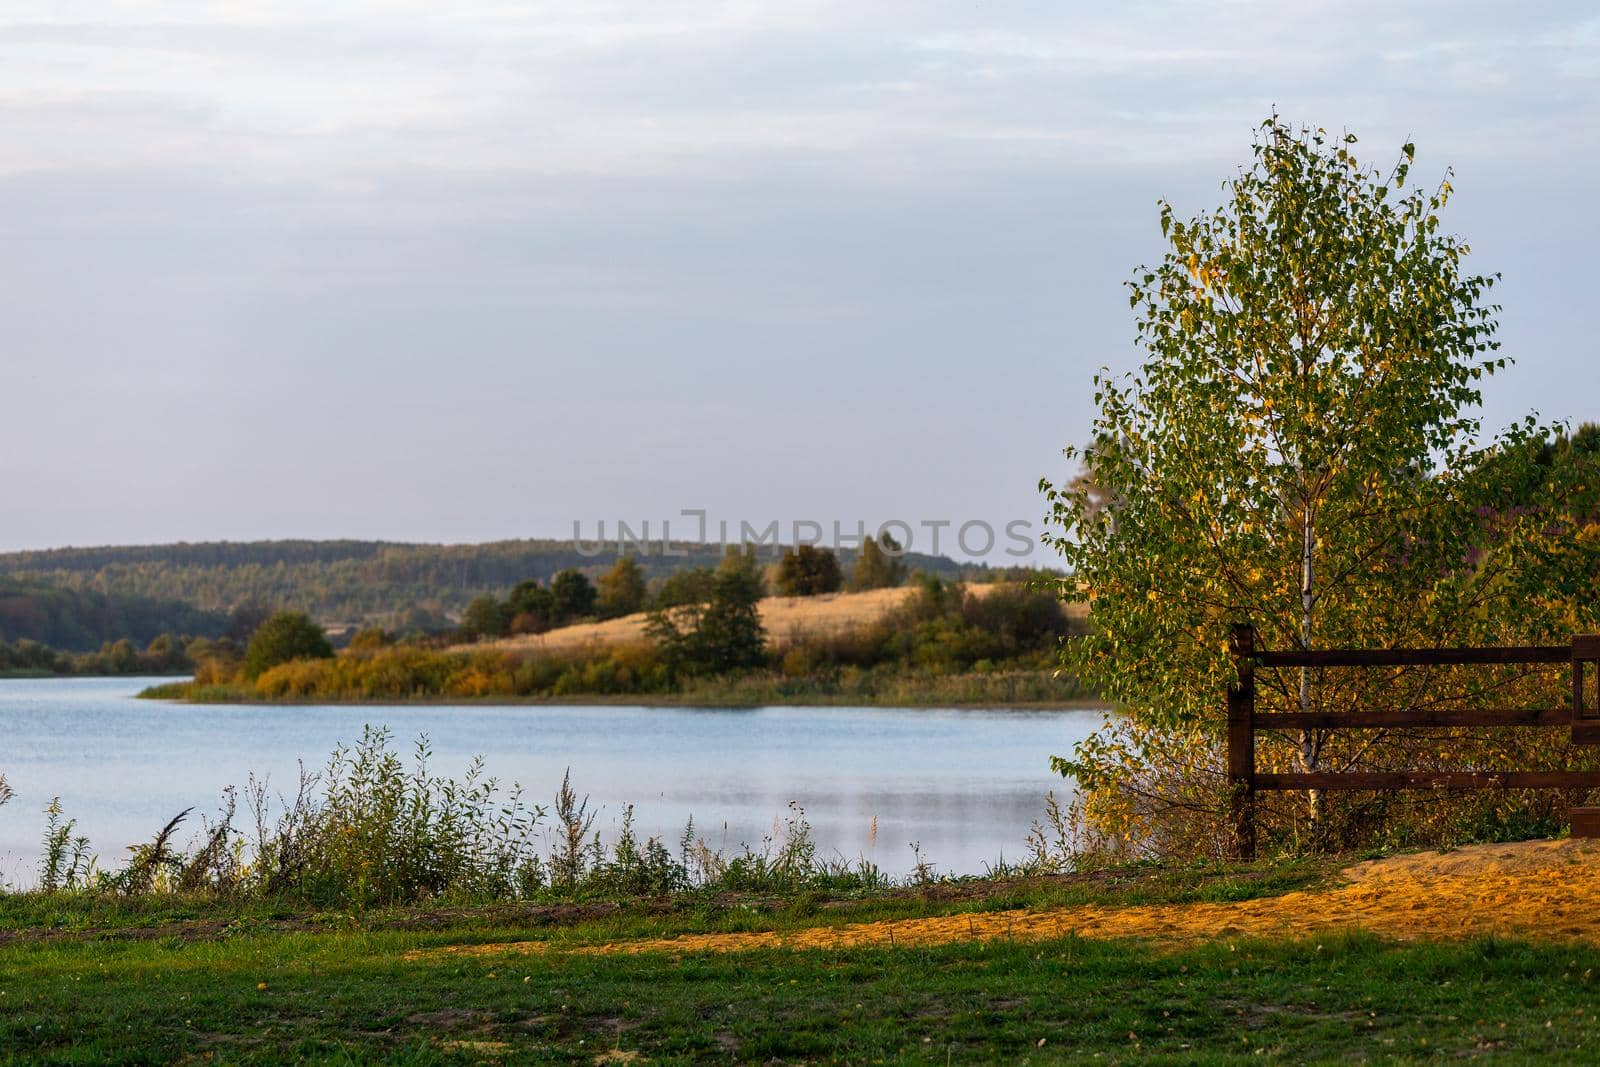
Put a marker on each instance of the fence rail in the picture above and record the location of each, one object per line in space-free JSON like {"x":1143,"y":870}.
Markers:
{"x":1415,"y":657}
{"x":1244,"y":722}
{"x":1386,"y":717}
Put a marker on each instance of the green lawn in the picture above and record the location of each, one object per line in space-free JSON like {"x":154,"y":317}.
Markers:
{"x":96,"y":979}
{"x":350,"y":997}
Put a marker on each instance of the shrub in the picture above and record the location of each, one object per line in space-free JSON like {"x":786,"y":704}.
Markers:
{"x":807,"y":571}
{"x":621,"y":589}
{"x":286,"y":636}
{"x":380,"y":834}
{"x":879,"y":565}
{"x":572,"y":594}
{"x":724,"y":635}
{"x":484,"y":617}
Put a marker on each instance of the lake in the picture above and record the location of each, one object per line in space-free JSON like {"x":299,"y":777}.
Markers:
{"x":965,"y":784}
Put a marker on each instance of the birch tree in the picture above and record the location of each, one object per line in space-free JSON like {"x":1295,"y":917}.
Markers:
{"x":1301,"y":450}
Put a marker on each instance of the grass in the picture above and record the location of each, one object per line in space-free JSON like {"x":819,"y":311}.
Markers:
{"x":597,"y":916}
{"x":352,"y":996}
{"x":88,"y":978}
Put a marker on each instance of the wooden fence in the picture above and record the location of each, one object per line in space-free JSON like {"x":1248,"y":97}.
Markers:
{"x":1582,"y":718}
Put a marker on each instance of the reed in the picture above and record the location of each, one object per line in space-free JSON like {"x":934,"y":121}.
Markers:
{"x":371,"y":830}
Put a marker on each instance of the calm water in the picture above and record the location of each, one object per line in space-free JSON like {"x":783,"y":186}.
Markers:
{"x":965,"y":784}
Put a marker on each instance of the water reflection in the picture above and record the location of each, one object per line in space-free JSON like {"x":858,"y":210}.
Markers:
{"x":965,"y":784}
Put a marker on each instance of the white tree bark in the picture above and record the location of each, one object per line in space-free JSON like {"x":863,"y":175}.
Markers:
{"x":1308,"y":543}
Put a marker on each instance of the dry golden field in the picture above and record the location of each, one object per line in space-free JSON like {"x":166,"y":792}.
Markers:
{"x":787,"y":619}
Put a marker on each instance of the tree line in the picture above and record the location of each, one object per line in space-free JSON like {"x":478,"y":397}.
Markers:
{"x":399,"y":586}
{"x":166,"y":654}
{"x":78,"y":620}
{"x":625,"y":588}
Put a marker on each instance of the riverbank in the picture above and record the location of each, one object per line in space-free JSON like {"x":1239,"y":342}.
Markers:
{"x":932,"y":645}
{"x":977,"y":970}
{"x":1041,"y":690}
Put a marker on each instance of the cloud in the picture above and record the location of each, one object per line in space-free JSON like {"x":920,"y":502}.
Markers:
{"x":297,"y":252}
{"x":321,"y":94}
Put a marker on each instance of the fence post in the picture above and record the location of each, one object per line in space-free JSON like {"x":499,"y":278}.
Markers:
{"x":1242,"y":742}
{"x":1585,"y":719}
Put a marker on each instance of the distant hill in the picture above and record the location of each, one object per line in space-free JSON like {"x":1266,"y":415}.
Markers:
{"x":345,"y":581}
{"x":79,"y":620}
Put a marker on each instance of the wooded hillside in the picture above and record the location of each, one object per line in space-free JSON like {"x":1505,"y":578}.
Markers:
{"x":80,"y":620}
{"x":347,"y":581}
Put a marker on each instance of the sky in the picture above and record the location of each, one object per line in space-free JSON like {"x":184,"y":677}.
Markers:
{"x":482,"y":270}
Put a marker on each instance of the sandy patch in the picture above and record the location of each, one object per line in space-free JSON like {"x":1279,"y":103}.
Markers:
{"x":1543,"y":890}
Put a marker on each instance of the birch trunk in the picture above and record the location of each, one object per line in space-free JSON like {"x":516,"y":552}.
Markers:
{"x":1308,"y":746}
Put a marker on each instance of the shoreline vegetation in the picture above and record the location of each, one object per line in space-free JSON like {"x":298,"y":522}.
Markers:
{"x":955,"y":692}
{"x":934,"y":643}
{"x":166,"y":655}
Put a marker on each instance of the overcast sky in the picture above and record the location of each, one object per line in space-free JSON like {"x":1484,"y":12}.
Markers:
{"x":466,"y":271}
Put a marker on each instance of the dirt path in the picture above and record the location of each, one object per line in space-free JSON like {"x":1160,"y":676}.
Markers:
{"x":1547,"y":890}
